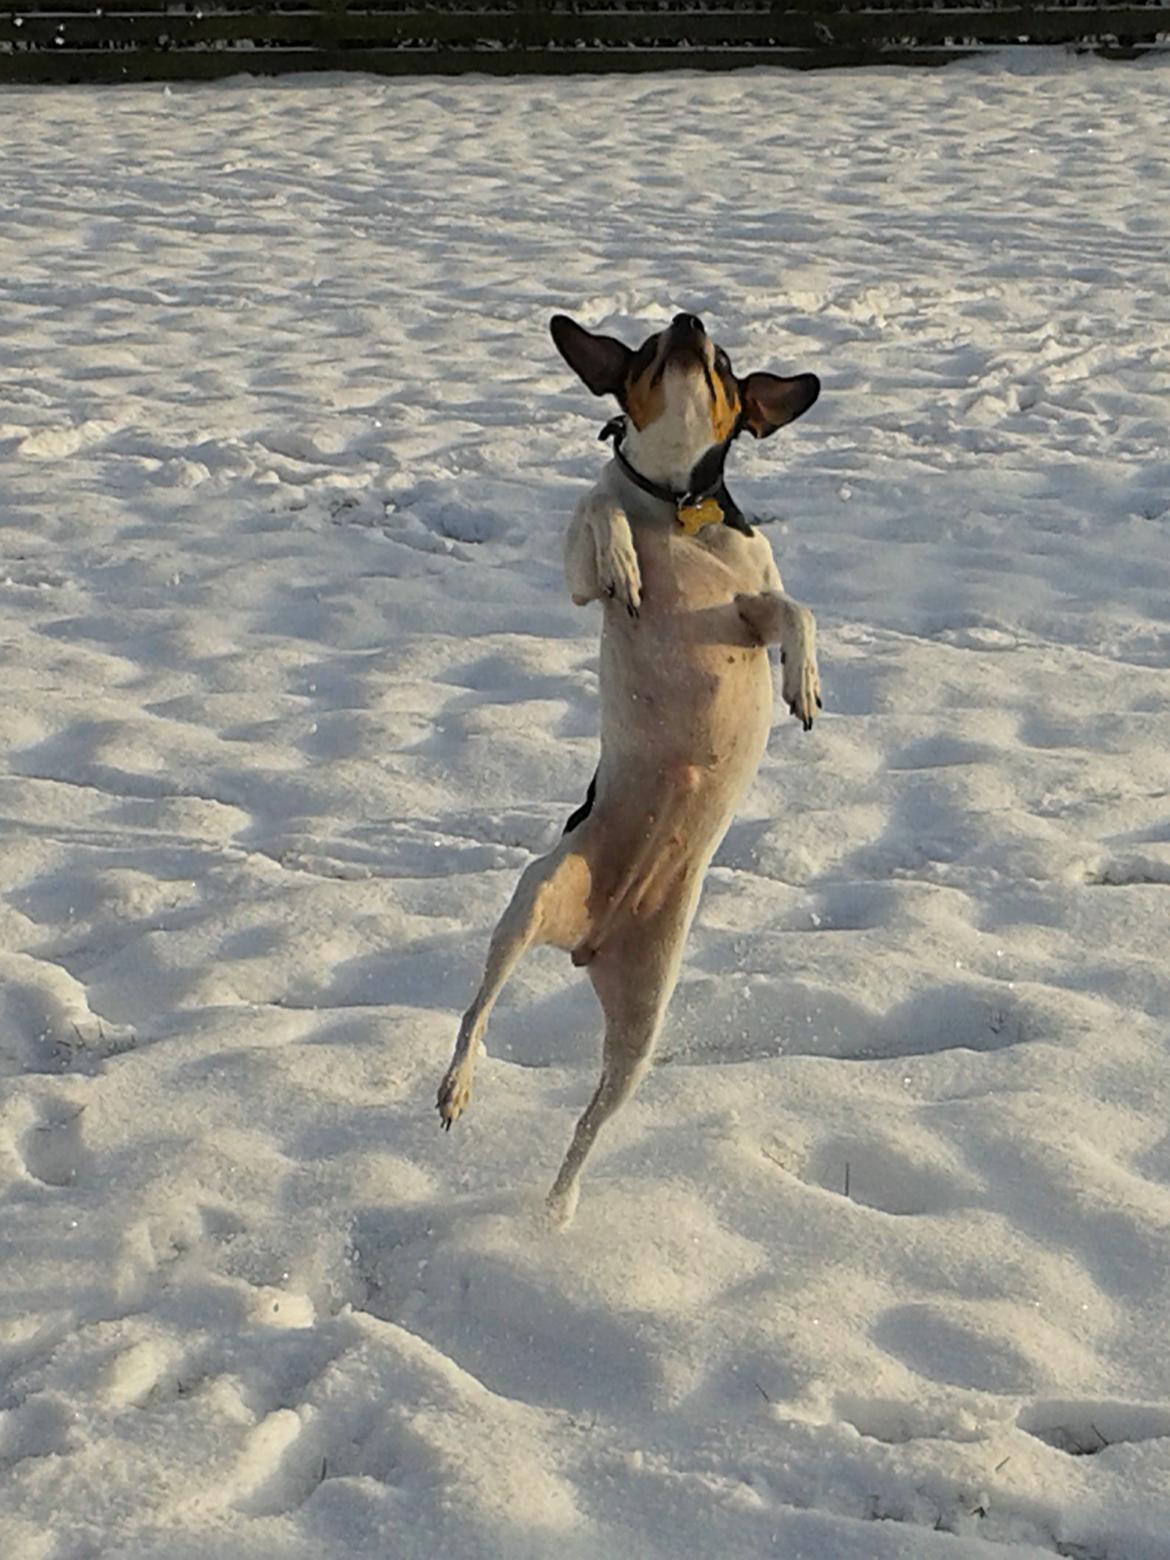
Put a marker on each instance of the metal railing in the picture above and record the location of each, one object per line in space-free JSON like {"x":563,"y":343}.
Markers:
{"x":54,"y":40}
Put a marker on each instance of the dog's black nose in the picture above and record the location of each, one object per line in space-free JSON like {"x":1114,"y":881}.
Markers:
{"x":689,"y":322}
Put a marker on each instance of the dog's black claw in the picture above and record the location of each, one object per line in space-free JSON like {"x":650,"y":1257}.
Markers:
{"x":807,"y":722}
{"x":632,"y":609}
{"x":446,"y":1124}
{"x":820,"y":702}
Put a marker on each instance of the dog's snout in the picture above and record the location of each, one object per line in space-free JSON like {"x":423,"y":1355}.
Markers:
{"x":689,"y":322}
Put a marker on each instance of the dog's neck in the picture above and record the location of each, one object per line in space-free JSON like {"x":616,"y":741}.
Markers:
{"x":700,"y":498}
{"x":646,"y":507}
{"x":668,"y":451}
{"x":665,"y":479}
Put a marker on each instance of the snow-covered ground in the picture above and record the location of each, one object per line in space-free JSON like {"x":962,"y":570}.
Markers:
{"x":875,"y":1265}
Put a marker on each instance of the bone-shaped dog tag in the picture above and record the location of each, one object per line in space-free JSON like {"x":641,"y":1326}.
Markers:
{"x":693,"y":517}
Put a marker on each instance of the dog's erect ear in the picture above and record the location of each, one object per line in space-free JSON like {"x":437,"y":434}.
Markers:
{"x":601,"y":361}
{"x":769,"y":401}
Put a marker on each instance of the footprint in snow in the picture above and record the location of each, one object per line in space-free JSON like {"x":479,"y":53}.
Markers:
{"x":879,"y":1176}
{"x":52,"y":1149}
{"x":1086,"y":1426}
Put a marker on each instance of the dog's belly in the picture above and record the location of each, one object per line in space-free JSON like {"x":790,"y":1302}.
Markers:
{"x":710,"y":710}
{"x":683,"y":730}
{"x":684,"y":724}
{"x":683,"y":683}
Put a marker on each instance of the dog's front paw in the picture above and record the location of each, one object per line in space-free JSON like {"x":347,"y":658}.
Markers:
{"x":801,"y":687}
{"x":618,"y":574}
{"x":771,"y":617}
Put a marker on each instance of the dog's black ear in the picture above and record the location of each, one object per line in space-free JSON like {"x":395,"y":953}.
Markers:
{"x":601,"y":361}
{"x":770,"y":401}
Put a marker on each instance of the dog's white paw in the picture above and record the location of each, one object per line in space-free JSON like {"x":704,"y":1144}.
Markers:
{"x":618,"y":574}
{"x":801,"y":687}
{"x":770,"y":617}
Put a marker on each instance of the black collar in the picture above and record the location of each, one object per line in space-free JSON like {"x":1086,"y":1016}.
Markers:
{"x":706,"y":479}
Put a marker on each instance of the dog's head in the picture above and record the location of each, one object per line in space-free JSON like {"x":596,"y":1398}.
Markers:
{"x":679,"y":392}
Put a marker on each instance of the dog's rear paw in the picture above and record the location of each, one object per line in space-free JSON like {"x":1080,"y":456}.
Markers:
{"x":618,"y":574}
{"x":560,"y":1206}
{"x":454,"y":1096}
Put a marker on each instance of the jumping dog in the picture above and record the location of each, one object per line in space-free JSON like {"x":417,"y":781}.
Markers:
{"x":692,"y":597}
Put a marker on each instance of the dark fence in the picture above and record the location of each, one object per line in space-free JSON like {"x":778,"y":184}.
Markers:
{"x":110,"y":40}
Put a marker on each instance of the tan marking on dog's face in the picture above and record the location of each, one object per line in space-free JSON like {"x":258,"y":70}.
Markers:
{"x":725,"y":400}
{"x":645,"y":397}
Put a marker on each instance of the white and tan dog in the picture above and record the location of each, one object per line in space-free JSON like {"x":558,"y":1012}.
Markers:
{"x":692,"y":598}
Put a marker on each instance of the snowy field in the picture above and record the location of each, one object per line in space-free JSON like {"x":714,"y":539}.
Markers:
{"x":876,"y":1263}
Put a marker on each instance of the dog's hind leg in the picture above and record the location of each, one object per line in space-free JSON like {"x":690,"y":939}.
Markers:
{"x":634,"y":976}
{"x":549,"y":905}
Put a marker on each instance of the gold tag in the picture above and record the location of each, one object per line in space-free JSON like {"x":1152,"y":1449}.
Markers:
{"x":693,"y":517}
